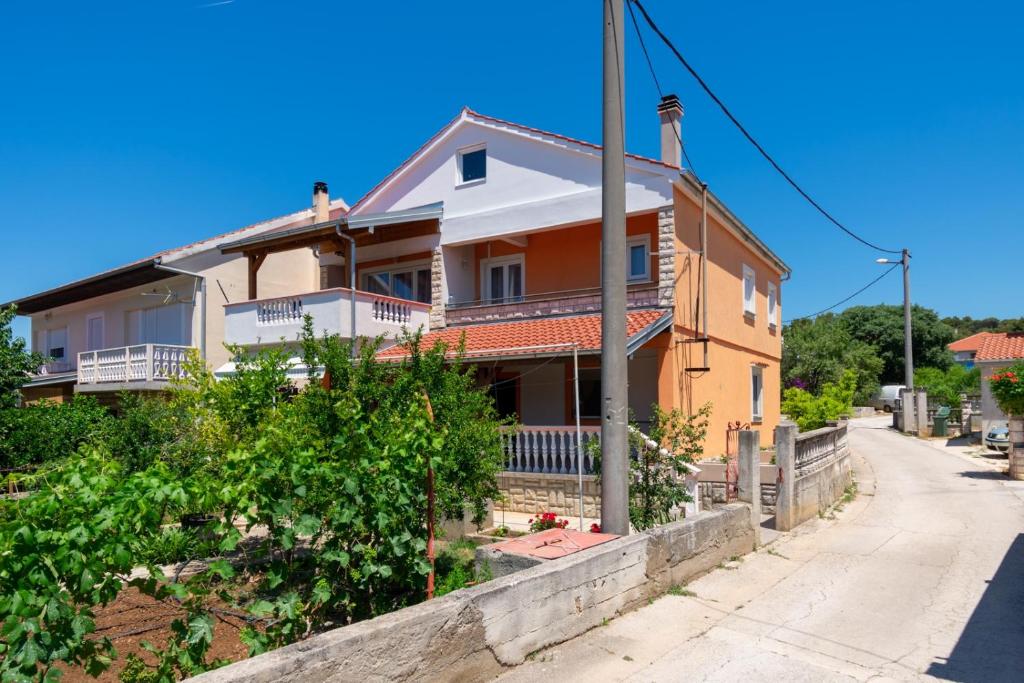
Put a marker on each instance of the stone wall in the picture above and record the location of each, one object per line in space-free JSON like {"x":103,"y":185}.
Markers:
{"x":712,"y":493}
{"x":474,"y":633}
{"x":558,"y":493}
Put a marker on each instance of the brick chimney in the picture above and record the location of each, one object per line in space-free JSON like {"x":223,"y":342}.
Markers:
{"x":670,"y":113}
{"x":321,"y":203}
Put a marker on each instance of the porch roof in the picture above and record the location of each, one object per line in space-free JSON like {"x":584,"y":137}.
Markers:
{"x":539,"y":337}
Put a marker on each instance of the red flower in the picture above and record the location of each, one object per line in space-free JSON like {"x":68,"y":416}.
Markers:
{"x":595,"y":528}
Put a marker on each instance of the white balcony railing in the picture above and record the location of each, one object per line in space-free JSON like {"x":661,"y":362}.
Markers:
{"x":267,"y":321}
{"x":139,"y":363}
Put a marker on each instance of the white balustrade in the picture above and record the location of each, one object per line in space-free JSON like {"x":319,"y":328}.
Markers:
{"x":388,"y":310}
{"x":269,"y":321}
{"x":283,"y":311}
{"x":818,"y":448}
{"x":548,"y":450}
{"x":138,"y":363}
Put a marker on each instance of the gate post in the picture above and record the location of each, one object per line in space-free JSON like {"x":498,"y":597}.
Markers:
{"x":785,"y":459}
{"x":749,"y":485}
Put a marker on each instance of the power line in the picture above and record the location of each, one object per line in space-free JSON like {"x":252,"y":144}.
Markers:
{"x":749,"y":137}
{"x":661,"y":93}
{"x":840,"y":303}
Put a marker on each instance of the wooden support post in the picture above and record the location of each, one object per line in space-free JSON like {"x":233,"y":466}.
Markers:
{"x":255,"y":261}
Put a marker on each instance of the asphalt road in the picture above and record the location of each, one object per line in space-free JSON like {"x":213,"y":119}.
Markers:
{"x":921,"y":576}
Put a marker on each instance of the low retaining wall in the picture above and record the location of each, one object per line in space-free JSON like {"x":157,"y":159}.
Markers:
{"x":474,"y":633}
{"x":814,"y":471}
{"x":712,"y":484}
{"x":558,"y":493}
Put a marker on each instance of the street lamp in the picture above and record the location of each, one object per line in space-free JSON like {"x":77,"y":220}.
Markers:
{"x":908,"y":352}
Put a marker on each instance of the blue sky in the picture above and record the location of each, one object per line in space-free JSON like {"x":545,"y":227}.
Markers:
{"x":129,"y":127}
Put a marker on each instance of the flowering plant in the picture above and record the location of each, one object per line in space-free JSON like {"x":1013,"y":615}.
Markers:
{"x":595,"y":528}
{"x":547,"y":520}
{"x":1008,"y":389}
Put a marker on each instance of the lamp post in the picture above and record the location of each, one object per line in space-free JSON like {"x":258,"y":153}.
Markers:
{"x":908,"y":351}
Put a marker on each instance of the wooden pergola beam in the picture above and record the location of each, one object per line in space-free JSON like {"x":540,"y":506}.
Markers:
{"x":256,"y":260}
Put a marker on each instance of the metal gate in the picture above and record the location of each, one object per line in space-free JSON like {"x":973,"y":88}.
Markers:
{"x":732,"y":459}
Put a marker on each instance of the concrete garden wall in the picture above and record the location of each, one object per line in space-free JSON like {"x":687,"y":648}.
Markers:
{"x":814,"y":470}
{"x":474,"y":633}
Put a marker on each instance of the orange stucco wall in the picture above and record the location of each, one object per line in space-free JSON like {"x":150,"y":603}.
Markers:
{"x":569,"y":259}
{"x":566,"y":259}
{"x":737,"y":341}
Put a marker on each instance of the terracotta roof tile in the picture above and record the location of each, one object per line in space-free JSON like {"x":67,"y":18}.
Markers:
{"x":971,"y":343}
{"x":1002,"y":346}
{"x":527,"y":337}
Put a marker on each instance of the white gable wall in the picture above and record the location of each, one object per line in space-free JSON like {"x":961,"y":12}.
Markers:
{"x":531,"y":184}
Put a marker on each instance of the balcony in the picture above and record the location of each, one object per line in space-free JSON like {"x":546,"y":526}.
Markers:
{"x":139,"y":367}
{"x":269,"y":321}
{"x":553,"y":303}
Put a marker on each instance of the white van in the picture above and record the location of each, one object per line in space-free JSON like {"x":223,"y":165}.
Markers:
{"x":886,"y":397}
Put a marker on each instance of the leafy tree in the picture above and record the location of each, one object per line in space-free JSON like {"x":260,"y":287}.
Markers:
{"x":817,"y":352}
{"x":882,"y":328}
{"x":15,"y":361}
{"x":813,"y":412}
{"x":945,"y":386}
{"x":966,"y":326}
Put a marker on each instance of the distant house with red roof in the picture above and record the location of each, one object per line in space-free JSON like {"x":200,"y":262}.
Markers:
{"x":964,"y":350}
{"x":489,"y":235}
{"x":996,"y":351}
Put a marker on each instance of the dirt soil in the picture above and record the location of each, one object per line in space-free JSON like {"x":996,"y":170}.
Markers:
{"x":134,"y":618}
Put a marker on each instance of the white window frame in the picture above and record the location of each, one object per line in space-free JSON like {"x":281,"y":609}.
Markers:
{"x":645,"y":241}
{"x":749,"y":307}
{"x":393,"y":269}
{"x":67,"y":343}
{"x":773,"y":305}
{"x":757,"y":402}
{"x":459,"y":182}
{"x":485,"y":271}
{"x":103,"y":330}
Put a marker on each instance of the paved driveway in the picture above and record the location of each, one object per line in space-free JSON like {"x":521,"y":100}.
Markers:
{"x":922,"y":575}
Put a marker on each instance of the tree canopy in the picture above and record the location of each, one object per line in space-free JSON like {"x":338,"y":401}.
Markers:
{"x":15,"y":360}
{"x":881,"y":326}
{"x":817,"y":352}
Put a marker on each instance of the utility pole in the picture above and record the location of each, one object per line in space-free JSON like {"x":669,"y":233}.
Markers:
{"x":614,"y":425}
{"x":908,"y":347}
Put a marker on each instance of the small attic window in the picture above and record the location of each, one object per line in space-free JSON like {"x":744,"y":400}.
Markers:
{"x":472,"y":165}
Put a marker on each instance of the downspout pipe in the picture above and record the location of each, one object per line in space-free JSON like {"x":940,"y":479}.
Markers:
{"x":704,"y":263}
{"x":201,"y":286}
{"x":351,"y":280}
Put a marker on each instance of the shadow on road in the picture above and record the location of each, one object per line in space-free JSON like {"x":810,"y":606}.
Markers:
{"x":989,"y":649}
{"x":986,"y":474}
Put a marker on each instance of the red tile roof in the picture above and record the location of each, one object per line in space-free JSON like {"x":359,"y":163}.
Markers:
{"x":972,"y":343}
{"x":529,"y":337}
{"x":1002,"y":346}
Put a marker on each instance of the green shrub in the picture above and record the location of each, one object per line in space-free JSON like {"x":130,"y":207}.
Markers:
{"x":945,"y":386}
{"x":48,"y":431}
{"x":173,"y":545}
{"x":813,"y":412}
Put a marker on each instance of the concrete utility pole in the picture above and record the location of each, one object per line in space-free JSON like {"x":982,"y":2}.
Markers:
{"x":614,"y":420}
{"x":908,"y":347}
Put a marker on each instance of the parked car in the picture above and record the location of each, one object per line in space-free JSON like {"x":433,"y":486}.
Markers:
{"x":885,"y":399}
{"x":998,"y":438}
